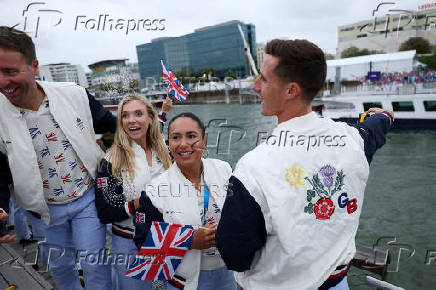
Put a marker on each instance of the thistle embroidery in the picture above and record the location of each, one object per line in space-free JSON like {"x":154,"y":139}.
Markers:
{"x":294,"y":176}
{"x":330,"y":183}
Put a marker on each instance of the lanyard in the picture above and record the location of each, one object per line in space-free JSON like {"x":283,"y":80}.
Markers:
{"x":206,"y":201}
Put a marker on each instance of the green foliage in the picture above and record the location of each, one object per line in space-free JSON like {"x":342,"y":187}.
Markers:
{"x":339,"y":182}
{"x":354,"y":51}
{"x":230,"y":74}
{"x":180,"y":75}
{"x":208,"y":70}
{"x":317,"y":185}
{"x":309,"y":208}
{"x":329,"y":56}
{"x":134,"y":85}
{"x":420,"y":44}
{"x":429,"y":60}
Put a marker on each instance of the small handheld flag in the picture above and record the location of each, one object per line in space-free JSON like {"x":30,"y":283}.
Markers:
{"x":173,"y":85}
{"x":162,"y":251}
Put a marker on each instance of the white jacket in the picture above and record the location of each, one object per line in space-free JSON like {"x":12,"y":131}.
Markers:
{"x":286,"y":175}
{"x":176,"y":198}
{"x":69,"y":106}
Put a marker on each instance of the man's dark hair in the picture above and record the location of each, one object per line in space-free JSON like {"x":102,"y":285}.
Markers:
{"x":192,"y":117}
{"x":300,"y":61}
{"x":13,"y":39}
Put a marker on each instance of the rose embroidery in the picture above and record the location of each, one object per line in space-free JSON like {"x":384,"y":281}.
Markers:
{"x":324,"y":208}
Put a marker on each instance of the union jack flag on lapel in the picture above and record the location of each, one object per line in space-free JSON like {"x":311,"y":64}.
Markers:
{"x":173,"y":85}
{"x":162,"y":251}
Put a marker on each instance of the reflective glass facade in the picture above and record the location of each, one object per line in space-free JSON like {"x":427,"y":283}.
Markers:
{"x":220,"y":47}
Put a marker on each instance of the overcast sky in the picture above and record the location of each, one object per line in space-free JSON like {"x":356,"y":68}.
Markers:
{"x":61,"y":42}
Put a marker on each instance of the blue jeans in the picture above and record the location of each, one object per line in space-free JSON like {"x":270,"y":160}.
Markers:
{"x":124,"y":252}
{"x":19,"y":219}
{"x":343,"y":285}
{"x":75,"y":225}
{"x":219,"y":279}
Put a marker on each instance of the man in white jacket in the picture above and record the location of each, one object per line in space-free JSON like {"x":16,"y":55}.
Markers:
{"x":293,"y":204}
{"x":49,"y":152}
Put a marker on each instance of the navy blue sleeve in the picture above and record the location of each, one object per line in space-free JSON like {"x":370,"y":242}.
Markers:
{"x":5,"y":180}
{"x":150,"y":213}
{"x":241,"y":230}
{"x":109,"y":197}
{"x":373,"y":131}
{"x":103,"y":120}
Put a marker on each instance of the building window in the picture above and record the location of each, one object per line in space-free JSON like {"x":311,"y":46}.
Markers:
{"x":367,"y":106}
{"x":430,"y":106}
{"x":406,"y":106}
{"x":347,"y":29}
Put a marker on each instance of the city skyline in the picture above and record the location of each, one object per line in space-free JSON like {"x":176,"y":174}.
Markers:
{"x":86,"y":32}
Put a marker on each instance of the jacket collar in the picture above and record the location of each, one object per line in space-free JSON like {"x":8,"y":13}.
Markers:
{"x":297,"y":122}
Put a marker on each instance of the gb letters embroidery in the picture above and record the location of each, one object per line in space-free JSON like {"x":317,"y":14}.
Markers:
{"x":331,"y":182}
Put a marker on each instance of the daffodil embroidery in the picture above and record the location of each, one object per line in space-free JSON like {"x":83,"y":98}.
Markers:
{"x":295,"y":176}
{"x":325,"y":183}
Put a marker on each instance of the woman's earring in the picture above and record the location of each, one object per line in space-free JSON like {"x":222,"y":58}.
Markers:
{"x":205,"y":153}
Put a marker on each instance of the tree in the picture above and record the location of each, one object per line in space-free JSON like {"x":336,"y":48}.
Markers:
{"x":420,"y":44}
{"x":329,"y":56}
{"x":429,"y":60}
{"x":208,"y":70}
{"x":230,"y":74}
{"x":354,"y":51}
{"x":134,"y":85}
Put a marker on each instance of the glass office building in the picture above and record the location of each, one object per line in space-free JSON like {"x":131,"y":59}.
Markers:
{"x":219,"y":46}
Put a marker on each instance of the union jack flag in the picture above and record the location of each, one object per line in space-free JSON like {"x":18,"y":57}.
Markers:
{"x":173,"y":85}
{"x":162,"y":251}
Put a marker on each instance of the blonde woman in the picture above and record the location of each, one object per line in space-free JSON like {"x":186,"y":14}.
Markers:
{"x":138,"y":155}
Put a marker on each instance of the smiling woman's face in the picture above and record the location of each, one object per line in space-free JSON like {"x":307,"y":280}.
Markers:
{"x":186,"y":142}
{"x":135,"y":120}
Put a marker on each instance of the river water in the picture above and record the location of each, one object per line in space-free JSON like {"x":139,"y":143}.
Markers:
{"x":399,"y":211}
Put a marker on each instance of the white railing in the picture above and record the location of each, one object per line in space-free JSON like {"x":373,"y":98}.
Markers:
{"x":391,"y":89}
